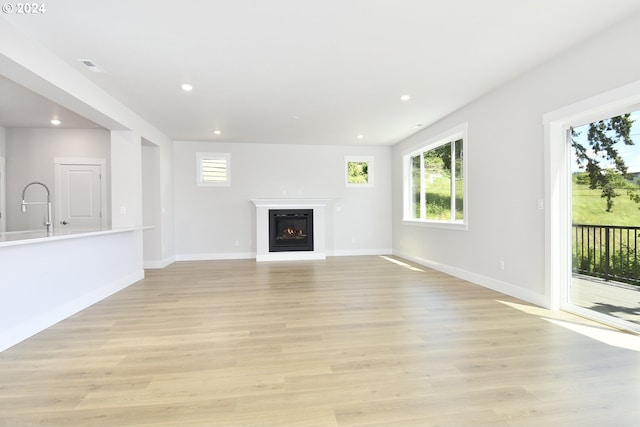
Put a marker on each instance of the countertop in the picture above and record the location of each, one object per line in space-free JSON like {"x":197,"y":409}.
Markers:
{"x":12,"y":238}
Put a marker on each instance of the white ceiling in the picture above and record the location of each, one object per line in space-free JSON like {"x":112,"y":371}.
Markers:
{"x":22,"y":108}
{"x":313,"y":72}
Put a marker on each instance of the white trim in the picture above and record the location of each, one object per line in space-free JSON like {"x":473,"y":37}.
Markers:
{"x":290,"y":203}
{"x":215,"y":256}
{"x":611,"y":103}
{"x":456,"y":132}
{"x":79,"y":161}
{"x":557,"y":182}
{"x":557,"y":264}
{"x":360,"y":252}
{"x":460,"y":131}
{"x":262,"y":228}
{"x":158,"y":265}
{"x":3,"y":199}
{"x":252,"y":255}
{"x":445,"y":225}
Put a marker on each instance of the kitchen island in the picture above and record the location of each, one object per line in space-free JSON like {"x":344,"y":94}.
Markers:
{"x":47,"y":277}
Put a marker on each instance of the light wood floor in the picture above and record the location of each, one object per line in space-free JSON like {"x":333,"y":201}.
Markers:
{"x":350,"y":341}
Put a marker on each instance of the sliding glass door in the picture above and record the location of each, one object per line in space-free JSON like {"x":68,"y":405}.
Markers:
{"x":605,"y":220}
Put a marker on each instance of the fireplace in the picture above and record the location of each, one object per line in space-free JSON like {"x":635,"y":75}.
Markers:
{"x":316,"y":230}
{"x":290,"y":230}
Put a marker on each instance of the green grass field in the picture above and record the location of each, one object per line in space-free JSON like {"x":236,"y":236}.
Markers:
{"x":589,"y":208}
{"x":438,"y":197}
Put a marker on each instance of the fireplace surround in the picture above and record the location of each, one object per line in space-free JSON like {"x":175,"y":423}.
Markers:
{"x":317,"y":228}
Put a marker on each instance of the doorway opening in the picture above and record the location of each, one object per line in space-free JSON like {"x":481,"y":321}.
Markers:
{"x":605,"y":216}
{"x":591,"y":257}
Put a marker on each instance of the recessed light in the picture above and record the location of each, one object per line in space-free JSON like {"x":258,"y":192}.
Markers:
{"x":217,"y":131}
{"x":91,"y":66}
{"x":360,"y":136}
{"x":419,"y":125}
{"x":55,"y":122}
{"x":405,"y":97}
{"x":187,"y":87}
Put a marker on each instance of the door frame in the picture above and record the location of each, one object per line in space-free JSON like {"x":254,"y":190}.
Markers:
{"x":80,"y":161}
{"x":3,"y":196}
{"x":558,"y":190}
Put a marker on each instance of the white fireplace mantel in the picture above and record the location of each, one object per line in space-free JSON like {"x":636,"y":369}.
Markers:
{"x":262,"y":228}
{"x":290,"y":203}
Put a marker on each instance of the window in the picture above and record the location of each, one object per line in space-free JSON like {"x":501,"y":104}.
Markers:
{"x":214,"y":169}
{"x":435,"y":181}
{"x":358,"y":171}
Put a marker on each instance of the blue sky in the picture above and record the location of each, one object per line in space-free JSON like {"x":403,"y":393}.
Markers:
{"x":630,"y":153}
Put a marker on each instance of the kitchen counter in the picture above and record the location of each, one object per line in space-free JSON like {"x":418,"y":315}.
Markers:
{"x":13,"y":238}
{"x":47,"y":277}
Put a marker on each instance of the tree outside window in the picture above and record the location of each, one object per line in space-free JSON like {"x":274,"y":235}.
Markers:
{"x":359,"y":171}
{"x":436,"y":181}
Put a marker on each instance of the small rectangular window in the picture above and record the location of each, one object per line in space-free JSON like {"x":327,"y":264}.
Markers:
{"x":358,"y":171}
{"x":214,"y":169}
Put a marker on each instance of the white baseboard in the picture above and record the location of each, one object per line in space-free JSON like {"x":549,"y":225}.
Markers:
{"x":478,"y":279}
{"x":159,"y":264}
{"x":252,"y":255}
{"x":360,"y":252}
{"x":21,"y":332}
{"x":215,"y":256}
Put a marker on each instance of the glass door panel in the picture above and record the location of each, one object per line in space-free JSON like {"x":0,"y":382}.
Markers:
{"x":605,"y":230}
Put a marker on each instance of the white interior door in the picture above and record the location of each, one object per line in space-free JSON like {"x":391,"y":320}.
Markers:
{"x":80,"y":198}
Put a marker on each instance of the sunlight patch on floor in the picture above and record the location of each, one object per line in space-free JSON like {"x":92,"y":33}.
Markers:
{"x":582,"y":326}
{"x":607,"y":336}
{"x":400,"y":263}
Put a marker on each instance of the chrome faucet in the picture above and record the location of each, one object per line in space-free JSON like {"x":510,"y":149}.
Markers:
{"x":48,"y":223}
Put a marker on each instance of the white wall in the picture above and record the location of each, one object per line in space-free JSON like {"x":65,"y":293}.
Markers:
{"x":167,"y":218}
{"x":30,"y":155}
{"x":3,"y":136}
{"x":126,"y":181}
{"x":219,"y":222}
{"x":506,"y":167}
{"x":151,"y":205}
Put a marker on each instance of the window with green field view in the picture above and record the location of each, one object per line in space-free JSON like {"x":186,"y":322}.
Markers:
{"x":436,"y":181}
{"x":358,"y":171}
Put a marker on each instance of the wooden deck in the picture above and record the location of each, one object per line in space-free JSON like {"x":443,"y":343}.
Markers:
{"x":613,"y":299}
{"x":350,"y":341}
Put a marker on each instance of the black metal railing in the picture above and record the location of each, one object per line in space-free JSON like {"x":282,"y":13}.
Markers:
{"x":607,"y":251}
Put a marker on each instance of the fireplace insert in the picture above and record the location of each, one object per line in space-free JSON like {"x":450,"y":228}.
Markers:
{"x":290,"y":230}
